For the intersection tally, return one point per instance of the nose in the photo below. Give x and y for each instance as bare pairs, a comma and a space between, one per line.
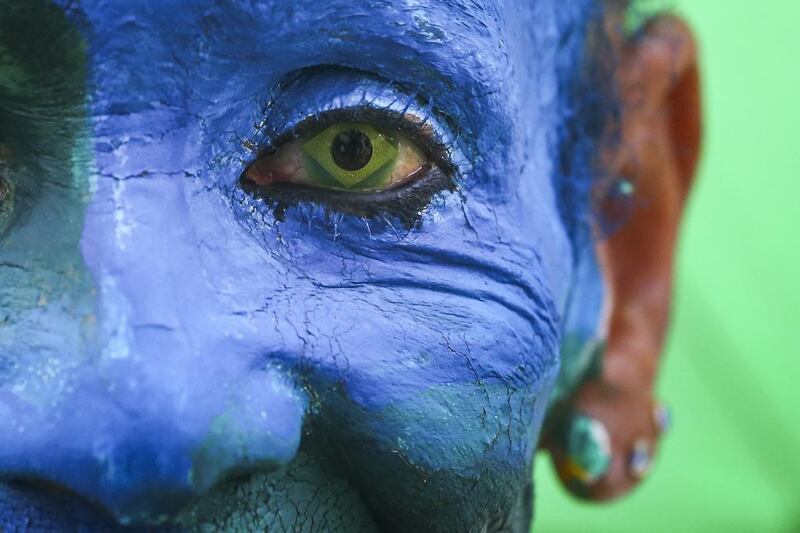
170, 389
174, 390
147, 461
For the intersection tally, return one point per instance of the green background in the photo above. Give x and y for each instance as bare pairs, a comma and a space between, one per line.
732, 460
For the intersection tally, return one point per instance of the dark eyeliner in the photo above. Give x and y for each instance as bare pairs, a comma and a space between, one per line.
382, 120
406, 201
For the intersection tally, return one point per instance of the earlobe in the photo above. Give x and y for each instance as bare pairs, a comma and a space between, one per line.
612, 422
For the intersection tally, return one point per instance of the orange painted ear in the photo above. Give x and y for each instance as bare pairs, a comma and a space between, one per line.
606, 441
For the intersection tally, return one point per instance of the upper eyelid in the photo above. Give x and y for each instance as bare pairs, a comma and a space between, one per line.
319, 96
412, 127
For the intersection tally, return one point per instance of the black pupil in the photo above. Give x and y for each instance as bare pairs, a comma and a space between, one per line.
351, 150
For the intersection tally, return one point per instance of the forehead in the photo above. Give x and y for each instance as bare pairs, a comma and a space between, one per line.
477, 33
476, 60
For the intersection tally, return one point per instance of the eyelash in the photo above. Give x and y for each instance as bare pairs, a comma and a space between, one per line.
406, 202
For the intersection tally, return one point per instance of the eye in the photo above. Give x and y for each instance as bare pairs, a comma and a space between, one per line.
346, 156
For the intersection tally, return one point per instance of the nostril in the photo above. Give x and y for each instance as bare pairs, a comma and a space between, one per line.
259, 432
213, 466
148, 477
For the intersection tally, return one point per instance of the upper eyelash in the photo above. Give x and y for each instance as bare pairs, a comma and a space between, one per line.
430, 144
309, 99
407, 201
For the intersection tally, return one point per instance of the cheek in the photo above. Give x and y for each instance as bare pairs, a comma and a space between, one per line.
462, 337
427, 393
46, 300
428, 373
425, 349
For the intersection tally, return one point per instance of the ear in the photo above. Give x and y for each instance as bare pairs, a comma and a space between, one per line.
612, 431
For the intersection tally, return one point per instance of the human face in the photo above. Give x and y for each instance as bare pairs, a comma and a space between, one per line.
174, 347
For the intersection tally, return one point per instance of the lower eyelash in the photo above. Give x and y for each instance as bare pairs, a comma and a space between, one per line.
405, 203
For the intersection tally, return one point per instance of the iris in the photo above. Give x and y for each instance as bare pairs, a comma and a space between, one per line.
351, 155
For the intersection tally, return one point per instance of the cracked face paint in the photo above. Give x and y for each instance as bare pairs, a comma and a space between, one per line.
175, 349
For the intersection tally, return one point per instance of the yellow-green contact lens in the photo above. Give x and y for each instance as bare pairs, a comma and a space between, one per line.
350, 156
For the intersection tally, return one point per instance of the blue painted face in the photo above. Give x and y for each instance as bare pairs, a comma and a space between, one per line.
174, 342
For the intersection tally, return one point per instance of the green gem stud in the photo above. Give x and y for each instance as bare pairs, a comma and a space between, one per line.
588, 448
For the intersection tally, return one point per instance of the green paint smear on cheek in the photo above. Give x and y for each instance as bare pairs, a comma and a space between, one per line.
46, 291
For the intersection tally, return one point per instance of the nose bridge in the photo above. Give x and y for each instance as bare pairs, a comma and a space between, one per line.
170, 401
154, 340
137, 243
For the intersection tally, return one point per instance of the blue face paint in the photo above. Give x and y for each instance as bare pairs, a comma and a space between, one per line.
168, 333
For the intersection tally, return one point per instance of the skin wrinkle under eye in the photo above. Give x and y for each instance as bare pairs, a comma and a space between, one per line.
397, 399
531, 288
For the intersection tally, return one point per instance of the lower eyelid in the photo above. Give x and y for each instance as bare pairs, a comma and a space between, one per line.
405, 202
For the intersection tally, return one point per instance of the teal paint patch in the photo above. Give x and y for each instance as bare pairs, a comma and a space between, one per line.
47, 297
581, 359
447, 442
46, 292
306, 496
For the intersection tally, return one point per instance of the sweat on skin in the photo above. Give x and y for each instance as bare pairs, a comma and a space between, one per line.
175, 352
